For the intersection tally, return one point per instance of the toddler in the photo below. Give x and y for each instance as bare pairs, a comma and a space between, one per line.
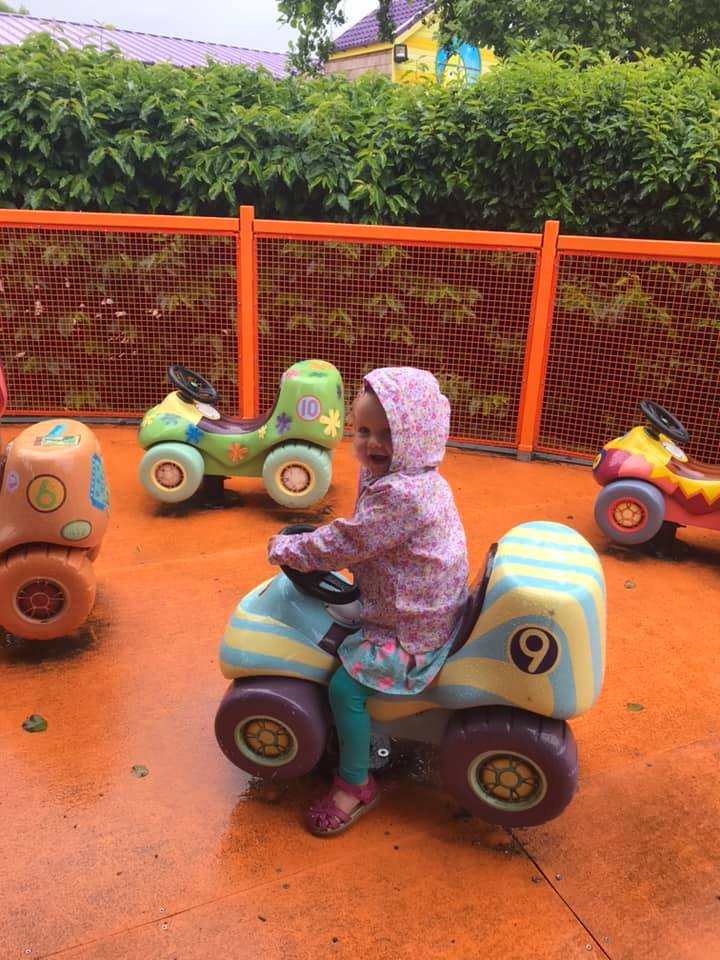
406, 547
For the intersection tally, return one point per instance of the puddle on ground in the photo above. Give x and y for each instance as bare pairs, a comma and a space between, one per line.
16, 651
409, 761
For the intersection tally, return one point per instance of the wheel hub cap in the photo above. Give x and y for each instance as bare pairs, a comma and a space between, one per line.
295, 478
507, 781
40, 600
628, 514
266, 741
168, 475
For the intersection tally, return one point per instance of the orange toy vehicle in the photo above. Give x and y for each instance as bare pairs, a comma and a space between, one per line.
53, 516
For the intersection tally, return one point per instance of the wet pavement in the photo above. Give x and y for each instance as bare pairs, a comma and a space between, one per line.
125, 833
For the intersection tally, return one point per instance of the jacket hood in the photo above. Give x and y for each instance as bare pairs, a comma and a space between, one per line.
418, 415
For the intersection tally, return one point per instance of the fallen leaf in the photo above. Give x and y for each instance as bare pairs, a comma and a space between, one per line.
629, 584
139, 770
35, 723
635, 707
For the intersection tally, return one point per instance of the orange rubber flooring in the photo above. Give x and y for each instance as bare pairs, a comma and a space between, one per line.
193, 861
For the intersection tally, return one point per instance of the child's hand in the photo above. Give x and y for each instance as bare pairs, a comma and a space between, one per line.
271, 544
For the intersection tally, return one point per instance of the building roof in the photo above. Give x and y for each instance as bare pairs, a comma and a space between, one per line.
147, 47
403, 14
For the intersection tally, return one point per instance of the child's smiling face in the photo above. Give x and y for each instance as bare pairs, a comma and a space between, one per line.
372, 440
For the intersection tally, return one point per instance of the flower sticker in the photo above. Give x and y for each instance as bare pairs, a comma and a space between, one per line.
262, 431
290, 374
332, 422
320, 364
170, 419
193, 434
282, 424
237, 452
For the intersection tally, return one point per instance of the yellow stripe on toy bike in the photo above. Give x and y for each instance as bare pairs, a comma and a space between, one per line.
560, 557
502, 680
547, 532
690, 486
243, 614
522, 572
398, 708
251, 642
586, 647
537, 602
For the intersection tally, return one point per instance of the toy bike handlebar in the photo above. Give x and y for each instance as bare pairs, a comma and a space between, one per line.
320, 584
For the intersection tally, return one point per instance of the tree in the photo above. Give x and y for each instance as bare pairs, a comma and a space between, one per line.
6, 8
618, 26
314, 19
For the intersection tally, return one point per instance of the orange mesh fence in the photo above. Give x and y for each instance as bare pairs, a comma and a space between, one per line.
93, 308
91, 318
461, 312
628, 328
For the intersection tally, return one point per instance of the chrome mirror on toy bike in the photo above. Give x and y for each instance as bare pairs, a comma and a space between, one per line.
320, 584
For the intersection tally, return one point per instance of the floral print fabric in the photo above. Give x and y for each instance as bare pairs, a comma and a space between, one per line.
404, 543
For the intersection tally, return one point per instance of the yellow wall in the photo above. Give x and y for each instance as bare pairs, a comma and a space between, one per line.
422, 63
362, 60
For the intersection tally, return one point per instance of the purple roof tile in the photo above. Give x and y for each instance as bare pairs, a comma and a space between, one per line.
146, 47
403, 13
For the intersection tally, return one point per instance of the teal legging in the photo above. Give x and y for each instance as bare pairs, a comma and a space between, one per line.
348, 700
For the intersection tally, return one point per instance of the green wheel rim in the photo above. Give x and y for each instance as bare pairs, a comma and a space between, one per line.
297, 474
266, 741
507, 780
172, 472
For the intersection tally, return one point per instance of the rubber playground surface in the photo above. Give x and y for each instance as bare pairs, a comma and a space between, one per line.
124, 832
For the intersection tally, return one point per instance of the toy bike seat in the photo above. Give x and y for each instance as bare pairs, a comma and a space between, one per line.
233, 426
467, 618
695, 470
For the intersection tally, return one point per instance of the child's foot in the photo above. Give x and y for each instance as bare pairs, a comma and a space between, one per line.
341, 807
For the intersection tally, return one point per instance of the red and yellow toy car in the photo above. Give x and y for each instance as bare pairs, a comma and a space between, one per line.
650, 485
53, 516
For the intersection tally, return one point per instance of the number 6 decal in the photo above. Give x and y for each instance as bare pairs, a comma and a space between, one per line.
46, 493
534, 650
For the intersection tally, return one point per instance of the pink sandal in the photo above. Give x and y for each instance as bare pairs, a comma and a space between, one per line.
326, 819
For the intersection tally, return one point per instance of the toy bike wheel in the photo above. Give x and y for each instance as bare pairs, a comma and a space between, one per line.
45, 592
273, 727
297, 474
172, 472
630, 511
509, 767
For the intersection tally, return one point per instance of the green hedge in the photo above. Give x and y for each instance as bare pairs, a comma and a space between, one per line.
609, 148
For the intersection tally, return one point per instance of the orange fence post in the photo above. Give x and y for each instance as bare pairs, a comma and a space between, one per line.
247, 314
531, 398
